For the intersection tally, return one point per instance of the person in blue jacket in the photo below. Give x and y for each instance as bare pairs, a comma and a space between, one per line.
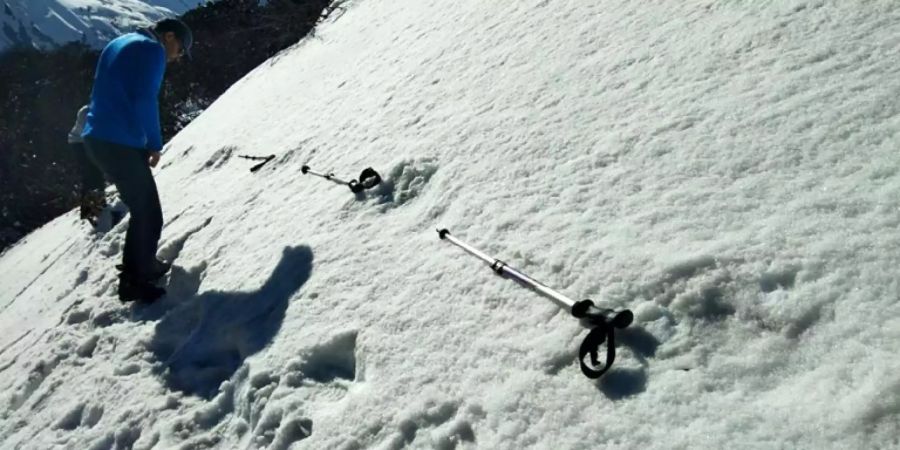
122, 136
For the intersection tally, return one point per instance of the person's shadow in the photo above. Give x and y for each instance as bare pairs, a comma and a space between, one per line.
202, 342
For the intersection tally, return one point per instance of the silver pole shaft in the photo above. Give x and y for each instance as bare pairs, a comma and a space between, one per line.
499, 266
327, 176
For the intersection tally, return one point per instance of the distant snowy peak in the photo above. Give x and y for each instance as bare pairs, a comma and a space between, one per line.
48, 23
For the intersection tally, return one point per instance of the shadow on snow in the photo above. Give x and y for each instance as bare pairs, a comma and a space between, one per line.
207, 337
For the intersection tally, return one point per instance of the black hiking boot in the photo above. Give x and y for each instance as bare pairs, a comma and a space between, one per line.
131, 290
160, 269
92, 205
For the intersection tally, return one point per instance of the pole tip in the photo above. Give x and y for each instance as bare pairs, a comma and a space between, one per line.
304, 169
443, 232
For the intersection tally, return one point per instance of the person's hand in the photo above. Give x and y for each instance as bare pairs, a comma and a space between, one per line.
154, 158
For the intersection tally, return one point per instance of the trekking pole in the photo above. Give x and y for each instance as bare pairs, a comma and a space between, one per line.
264, 160
603, 321
368, 178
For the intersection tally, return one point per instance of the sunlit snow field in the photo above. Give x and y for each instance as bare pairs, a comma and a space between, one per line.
728, 171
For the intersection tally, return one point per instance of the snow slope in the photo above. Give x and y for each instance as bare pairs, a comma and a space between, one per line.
728, 171
48, 23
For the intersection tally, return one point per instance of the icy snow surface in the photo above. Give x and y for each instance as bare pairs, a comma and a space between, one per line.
728, 171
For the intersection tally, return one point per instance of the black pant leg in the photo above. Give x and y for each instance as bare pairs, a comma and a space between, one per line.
129, 170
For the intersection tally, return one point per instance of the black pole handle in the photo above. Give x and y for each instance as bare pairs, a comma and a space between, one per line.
606, 321
264, 159
260, 165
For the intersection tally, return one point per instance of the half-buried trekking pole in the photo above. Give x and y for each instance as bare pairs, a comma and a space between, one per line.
368, 179
603, 321
264, 160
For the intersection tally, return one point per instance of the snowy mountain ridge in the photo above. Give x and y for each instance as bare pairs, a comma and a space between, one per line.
45, 24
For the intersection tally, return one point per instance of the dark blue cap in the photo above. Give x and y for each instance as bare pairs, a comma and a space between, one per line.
182, 33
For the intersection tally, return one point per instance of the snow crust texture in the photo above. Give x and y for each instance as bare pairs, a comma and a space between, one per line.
726, 170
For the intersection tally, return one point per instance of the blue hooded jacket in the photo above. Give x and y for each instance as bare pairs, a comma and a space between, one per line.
125, 100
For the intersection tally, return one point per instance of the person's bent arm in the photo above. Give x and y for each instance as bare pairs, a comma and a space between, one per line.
148, 76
